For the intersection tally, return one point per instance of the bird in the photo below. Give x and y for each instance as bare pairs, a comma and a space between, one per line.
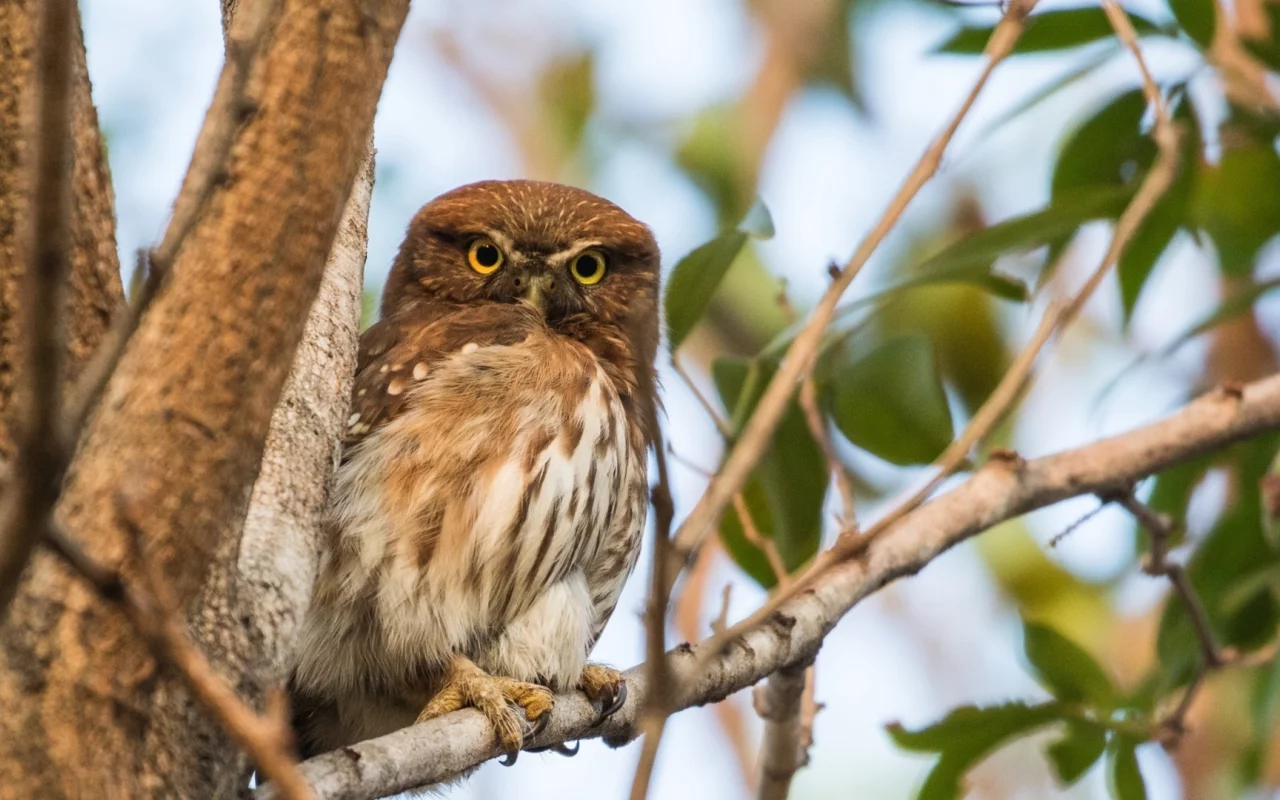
492, 490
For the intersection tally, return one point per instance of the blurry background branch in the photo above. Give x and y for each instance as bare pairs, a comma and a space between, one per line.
1002, 489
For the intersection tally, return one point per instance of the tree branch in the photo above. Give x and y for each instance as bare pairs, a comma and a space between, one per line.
1002, 489
779, 702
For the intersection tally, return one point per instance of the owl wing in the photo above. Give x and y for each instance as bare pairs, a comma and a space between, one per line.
395, 353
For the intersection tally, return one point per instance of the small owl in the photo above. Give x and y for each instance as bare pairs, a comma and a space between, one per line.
492, 491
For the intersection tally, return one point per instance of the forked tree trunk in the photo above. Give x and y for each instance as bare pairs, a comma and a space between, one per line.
177, 443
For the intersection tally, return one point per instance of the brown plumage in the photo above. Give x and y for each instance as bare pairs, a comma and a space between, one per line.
492, 492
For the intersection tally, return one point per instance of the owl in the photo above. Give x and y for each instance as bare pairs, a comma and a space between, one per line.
492, 491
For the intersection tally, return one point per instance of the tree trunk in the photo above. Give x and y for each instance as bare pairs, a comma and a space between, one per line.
94, 293
169, 461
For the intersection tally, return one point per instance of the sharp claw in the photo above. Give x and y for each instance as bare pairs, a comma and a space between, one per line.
537, 726
510, 758
617, 702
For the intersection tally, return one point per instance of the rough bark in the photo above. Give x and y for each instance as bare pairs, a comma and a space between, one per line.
1002, 489
175, 447
94, 292
248, 611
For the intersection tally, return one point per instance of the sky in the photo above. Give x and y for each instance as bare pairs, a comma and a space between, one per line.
827, 175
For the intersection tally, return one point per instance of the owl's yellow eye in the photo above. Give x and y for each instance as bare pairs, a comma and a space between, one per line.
588, 267
484, 256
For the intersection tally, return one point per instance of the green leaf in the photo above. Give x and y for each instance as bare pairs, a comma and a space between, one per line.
1109, 149
1196, 18
695, 279
1046, 31
891, 402
785, 491
1079, 749
974, 254
1126, 779
1065, 668
1238, 204
965, 736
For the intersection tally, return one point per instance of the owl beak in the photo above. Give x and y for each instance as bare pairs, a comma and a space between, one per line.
536, 293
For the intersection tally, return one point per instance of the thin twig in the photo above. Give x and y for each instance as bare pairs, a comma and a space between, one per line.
39, 461
764, 544
722, 425
688, 463
1160, 529
1074, 526
818, 429
267, 737
802, 353
662, 697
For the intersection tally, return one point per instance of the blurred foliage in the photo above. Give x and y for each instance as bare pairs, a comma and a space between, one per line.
898, 364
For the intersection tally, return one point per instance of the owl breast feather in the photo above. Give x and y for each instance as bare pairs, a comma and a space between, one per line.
497, 515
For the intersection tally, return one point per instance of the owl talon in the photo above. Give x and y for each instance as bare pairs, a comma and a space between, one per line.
501, 700
605, 688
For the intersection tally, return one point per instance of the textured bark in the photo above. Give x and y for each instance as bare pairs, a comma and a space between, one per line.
94, 293
1002, 489
249, 609
176, 445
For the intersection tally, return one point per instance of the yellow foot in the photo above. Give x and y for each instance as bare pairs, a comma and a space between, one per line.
605, 688
493, 696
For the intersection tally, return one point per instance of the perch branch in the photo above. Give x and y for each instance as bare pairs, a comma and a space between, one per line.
1000, 490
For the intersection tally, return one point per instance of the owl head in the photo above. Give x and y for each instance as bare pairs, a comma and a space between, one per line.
577, 258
